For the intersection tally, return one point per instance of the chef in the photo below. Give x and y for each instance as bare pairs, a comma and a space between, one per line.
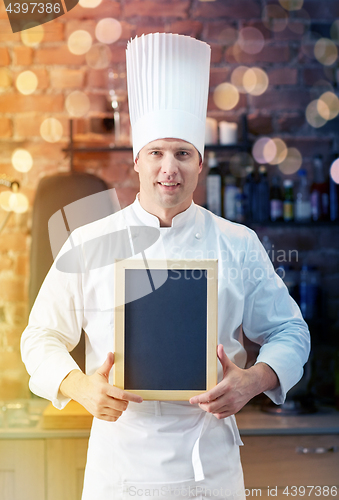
152, 449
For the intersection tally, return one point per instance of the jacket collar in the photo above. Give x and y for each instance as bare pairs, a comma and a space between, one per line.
153, 221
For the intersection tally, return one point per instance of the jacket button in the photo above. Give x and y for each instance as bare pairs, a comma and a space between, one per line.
198, 236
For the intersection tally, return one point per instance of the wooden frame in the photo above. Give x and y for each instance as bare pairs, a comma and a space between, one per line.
209, 268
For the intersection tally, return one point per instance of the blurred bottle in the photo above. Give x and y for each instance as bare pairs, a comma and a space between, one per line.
213, 185
240, 207
319, 191
309, 288
302, 204
334, 195
276, 200
261, 197
248, 188
288, 200
230, 193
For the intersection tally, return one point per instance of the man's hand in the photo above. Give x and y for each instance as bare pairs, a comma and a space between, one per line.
237, 387
93, 392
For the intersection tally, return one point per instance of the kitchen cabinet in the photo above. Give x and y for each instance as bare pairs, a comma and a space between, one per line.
22, 469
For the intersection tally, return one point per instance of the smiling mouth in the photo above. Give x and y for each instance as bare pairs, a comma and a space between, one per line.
169, 184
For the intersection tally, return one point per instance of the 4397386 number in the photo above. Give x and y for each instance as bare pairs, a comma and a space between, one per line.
306, 491
41, 8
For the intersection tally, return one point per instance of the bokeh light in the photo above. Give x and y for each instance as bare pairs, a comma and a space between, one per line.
251, 40
319, 88
300, 22
292, 162
255, 81
226, 96
335, 31
239, 162
334, 171
77, 103
51, 130
237, 78
312, 115
264, 150
228, 36
274, 17
27, 82
328, 106
32, 35
308, 43
18, 203
326, 51
89, 4
99, 56
4, 200
22, 160
281, 152
79, 42
291, 4
108, 30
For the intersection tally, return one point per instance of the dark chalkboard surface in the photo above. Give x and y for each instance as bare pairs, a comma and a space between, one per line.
166, 328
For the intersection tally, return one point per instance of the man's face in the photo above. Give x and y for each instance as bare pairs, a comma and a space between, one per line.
168, 171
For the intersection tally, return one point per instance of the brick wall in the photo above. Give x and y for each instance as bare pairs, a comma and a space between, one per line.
280, 111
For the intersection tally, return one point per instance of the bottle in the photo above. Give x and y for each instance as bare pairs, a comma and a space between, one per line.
309, 292
288, 200
230, 194
263, 196
239, 207
302, 204
276, 200
319, 191
213, 185
247, 190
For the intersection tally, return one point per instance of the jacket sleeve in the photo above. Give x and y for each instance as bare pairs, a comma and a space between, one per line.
273, 320
53, 330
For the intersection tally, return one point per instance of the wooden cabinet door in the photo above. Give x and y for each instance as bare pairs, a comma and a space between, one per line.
22, 469
66, 460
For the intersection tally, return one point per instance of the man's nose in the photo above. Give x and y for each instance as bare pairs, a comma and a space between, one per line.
169, 165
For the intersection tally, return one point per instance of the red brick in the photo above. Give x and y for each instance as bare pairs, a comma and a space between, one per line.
58, 55
219, 75
283, 76
288, 34
6, 263
313, 75
159, 8
107, 8
280, 99
54, 31
145, 29
291, 122
6, 34
269, 53
18, 103
96, 78
5, 78
76, 24
4, 56
41, 74
187, 27
217, 31
234, 9
115, 172
28, 124
310, 146
267, 33
22, 56
118, 53
6, 128
259, 124
67, 78
13, 242
216, 54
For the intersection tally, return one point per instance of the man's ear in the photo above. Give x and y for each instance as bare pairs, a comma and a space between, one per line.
135, 166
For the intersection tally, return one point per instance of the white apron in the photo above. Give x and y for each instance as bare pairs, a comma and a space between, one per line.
164, 450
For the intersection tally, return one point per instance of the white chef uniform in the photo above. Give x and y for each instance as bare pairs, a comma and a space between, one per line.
166, 449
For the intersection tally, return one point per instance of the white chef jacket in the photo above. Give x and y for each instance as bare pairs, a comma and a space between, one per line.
166, 448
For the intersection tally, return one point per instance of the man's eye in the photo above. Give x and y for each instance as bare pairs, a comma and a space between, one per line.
154, 153
183, 153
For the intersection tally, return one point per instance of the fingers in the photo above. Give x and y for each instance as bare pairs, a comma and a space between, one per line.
107, 366
117, 393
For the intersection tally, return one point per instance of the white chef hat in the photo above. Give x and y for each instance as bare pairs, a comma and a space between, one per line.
167, 79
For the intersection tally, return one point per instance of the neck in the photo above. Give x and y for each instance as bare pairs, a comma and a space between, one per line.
165, 215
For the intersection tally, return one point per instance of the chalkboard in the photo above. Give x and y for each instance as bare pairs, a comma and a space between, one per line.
165, 328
